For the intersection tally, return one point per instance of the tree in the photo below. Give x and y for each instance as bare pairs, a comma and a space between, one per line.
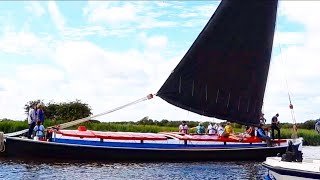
73, 110
50, 110
308, 124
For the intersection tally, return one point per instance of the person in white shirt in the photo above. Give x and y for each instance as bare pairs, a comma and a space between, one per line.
220, 130
31, 119
183, 128
215, 126
211, 129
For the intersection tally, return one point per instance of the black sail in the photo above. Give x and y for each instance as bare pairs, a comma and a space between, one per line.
224, 73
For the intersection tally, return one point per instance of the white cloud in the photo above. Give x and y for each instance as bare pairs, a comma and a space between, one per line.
303, 12
70, 33
154, 42
56, 15
39, 72
35, 8
113, 14
24, 43
289, 38
29, 82
144, 15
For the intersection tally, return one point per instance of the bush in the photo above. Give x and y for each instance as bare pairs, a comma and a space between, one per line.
307, 125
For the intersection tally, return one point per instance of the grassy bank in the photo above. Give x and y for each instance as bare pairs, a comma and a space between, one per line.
310, 136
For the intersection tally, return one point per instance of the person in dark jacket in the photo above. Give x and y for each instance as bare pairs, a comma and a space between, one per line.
275, 126
40, 113
261, 135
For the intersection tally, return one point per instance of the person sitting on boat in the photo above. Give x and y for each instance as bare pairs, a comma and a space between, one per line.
183, 128
39, 130
211, 129
228, 130
215, 126
249, 132
262, 119
200, 129
261, 135
275, 126
220, 130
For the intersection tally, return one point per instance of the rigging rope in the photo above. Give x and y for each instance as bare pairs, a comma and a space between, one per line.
79, 121
2, 145
294, 134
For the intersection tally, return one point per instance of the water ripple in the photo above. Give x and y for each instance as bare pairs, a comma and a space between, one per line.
18, 169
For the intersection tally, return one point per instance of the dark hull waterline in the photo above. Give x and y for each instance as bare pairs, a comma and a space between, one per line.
24, 148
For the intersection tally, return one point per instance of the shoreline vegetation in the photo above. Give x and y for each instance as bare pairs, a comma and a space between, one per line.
310, 136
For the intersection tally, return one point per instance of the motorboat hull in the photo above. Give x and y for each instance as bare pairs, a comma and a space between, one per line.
281, 170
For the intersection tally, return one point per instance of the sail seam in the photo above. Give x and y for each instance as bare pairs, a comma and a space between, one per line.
180, 85
192, 87
217, 96
228, 100
206, 92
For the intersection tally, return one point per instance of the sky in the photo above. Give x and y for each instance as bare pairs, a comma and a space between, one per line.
109, 53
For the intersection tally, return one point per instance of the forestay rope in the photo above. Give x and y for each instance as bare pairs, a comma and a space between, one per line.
82, 120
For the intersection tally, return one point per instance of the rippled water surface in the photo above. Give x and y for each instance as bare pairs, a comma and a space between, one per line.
18, 169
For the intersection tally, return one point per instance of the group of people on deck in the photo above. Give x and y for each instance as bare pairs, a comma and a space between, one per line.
227, 130
212, 129
36, 121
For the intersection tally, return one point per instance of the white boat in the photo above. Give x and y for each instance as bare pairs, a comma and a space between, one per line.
280, 168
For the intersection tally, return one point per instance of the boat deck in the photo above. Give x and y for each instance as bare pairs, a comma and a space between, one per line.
160, 138
112, 135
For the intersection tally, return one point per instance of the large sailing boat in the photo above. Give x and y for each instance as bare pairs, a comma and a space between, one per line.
222, 75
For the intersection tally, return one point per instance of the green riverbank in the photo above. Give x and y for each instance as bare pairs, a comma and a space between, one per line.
310, 137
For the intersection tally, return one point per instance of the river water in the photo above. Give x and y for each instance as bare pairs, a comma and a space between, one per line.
18, 169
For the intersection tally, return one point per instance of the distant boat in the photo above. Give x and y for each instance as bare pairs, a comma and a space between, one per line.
223, 75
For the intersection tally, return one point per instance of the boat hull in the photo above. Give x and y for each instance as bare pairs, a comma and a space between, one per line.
280, 173
24, 148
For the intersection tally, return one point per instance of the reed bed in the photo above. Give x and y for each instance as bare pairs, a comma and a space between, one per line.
311, 137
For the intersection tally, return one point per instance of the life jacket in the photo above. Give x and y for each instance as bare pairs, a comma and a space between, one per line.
39, 130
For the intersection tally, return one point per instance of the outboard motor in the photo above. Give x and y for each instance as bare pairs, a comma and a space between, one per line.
292, 154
